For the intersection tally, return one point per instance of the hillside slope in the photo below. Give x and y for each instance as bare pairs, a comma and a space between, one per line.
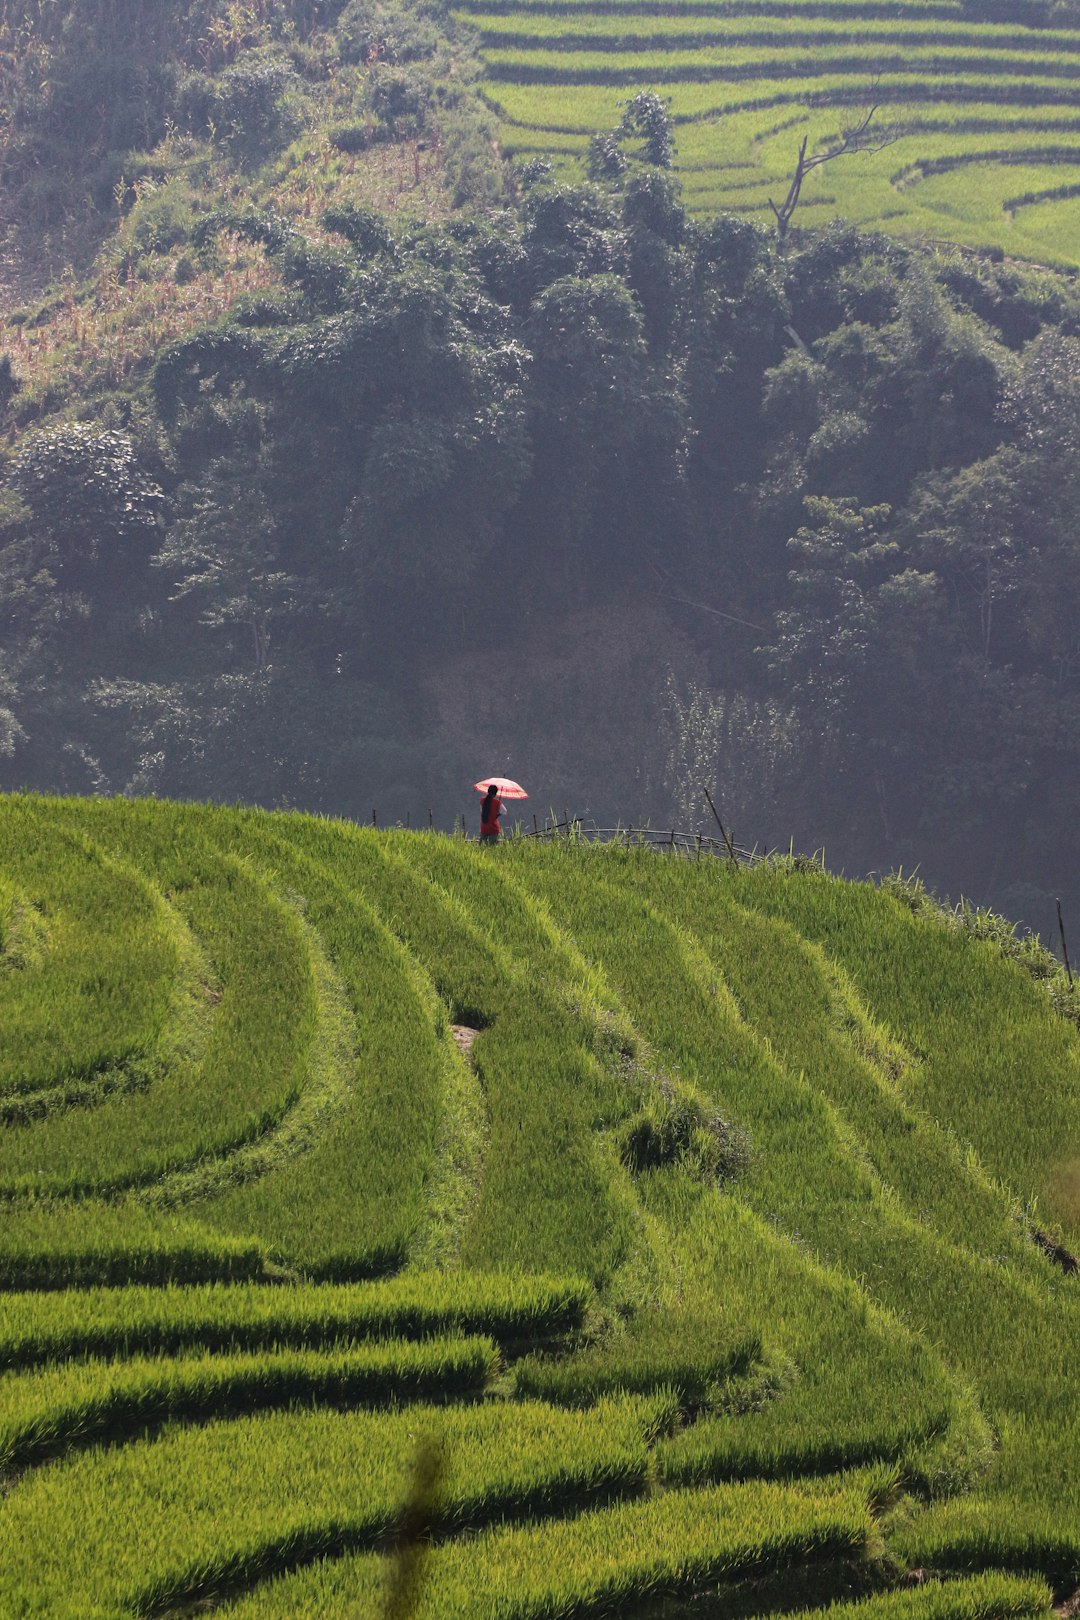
314, 405
975, 138
718, 1260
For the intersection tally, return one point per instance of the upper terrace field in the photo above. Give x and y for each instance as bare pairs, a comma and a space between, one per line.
982, 119
708, 1257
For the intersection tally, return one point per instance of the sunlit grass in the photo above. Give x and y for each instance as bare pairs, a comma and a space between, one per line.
562, 69
100, 1531
779, 1145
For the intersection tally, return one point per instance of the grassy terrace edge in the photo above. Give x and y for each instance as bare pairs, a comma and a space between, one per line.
734, 1149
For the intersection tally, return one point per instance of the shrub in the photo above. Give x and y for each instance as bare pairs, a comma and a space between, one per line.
86, 490
474, 168
677, 1127
351, 138
401, 99
364, 229
160, 219
251, 106
374, 30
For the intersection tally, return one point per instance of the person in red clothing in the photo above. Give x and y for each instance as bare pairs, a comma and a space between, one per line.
491, 808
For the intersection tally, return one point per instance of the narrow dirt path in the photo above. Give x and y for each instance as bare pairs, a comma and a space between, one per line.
464, 1038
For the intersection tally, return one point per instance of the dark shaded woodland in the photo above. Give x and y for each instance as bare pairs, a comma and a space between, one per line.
571, 485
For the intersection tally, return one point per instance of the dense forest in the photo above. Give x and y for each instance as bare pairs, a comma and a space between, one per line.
550, 478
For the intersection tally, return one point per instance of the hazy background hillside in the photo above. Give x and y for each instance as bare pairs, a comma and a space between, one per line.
344, 461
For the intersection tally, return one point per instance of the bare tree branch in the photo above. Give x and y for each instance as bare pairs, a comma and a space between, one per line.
851, 141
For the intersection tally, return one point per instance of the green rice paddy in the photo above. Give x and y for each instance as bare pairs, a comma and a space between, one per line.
707, 1229
977, 126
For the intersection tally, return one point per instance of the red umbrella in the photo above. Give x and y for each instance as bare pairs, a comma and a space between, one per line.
503, 787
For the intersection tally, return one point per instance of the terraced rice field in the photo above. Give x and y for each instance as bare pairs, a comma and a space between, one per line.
709, 1277
981, 118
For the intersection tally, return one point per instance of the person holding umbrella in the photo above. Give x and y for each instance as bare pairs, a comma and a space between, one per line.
495, 789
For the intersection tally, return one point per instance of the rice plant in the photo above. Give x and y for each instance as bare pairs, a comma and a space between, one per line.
749, 1177
559, 66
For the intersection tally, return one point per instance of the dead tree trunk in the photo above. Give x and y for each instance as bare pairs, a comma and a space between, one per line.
851, 141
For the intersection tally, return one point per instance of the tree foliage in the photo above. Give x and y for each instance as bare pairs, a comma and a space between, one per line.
840, 487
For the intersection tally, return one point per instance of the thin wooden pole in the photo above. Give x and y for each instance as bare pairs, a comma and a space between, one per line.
720, 824
430, 820
413, 1536
374, 819
1064, 947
